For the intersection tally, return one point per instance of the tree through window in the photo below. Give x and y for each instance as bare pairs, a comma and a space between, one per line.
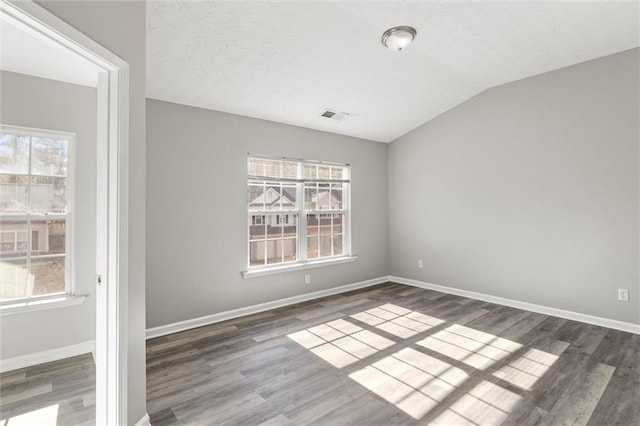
34, 212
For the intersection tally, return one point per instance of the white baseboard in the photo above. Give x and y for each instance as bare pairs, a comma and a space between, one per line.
254, 309
29, 360
575, 316
144, 421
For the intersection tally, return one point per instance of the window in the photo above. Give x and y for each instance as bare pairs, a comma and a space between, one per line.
35, 213
257, 220
298, 211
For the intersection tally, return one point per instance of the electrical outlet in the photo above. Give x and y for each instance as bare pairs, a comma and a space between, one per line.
623, 294
420, 264
307, 279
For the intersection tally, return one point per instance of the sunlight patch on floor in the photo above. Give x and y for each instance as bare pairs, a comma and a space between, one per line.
396, 320
485, 404
47, 416
412, 381
475, 348
340, 342
525, 371
415, 381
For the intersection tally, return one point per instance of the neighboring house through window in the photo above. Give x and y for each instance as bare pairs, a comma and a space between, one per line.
35, 213
298, 211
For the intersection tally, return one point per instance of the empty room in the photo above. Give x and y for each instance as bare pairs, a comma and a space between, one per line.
327, 213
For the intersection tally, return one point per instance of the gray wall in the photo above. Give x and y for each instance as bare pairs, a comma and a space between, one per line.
197, 223
120, 27
46, 104
528, 191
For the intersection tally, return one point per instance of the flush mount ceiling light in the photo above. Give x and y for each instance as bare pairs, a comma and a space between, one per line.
397, 38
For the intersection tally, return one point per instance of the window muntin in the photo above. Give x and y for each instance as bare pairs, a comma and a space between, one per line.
298, 211
35, 213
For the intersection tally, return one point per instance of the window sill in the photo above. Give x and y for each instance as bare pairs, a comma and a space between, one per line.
41, 304
253, 273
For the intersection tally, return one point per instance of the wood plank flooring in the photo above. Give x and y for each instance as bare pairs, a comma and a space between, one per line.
393, 354
60, 392
385, 355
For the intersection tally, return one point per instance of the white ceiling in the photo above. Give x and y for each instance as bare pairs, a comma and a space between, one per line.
288, 61
24, 52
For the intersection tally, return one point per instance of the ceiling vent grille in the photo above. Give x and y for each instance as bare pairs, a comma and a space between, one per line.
334, 115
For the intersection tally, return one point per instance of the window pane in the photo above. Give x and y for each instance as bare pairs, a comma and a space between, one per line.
274, 251
256, 253
33, 181
289, 170
336, 196
310, 171
337, 244
337, 224
272, 196
14, 194
312, 247
14, 154
325, 237
324, 196
13, 279
48, 194
290, 226
51, 236
272, 168
312, 224
311, 197
337, 173
13, 238
324, 226
48, 275
289, 247
49, 156
274, 231
324, 172
288, 199
257, 229
256, 196
325, 245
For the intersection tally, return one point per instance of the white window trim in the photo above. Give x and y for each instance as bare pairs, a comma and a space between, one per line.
21, 306
300, 212
296, 266
69, 276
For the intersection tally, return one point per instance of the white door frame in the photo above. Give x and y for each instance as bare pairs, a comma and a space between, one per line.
112, 200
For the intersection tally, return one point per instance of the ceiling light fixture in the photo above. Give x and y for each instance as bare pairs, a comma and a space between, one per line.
397, 38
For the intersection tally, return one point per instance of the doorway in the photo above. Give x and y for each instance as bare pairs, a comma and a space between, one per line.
109, 75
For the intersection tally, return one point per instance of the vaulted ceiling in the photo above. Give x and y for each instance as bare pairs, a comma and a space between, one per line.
289, 61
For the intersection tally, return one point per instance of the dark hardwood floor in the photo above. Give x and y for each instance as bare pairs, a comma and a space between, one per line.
393, 354
386, 355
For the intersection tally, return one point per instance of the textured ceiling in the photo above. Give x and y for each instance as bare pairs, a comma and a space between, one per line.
23, 52
288, 61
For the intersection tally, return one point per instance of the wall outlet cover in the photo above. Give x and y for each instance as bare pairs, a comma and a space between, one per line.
623, 294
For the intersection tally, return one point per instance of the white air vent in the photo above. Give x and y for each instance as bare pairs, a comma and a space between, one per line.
334, 115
